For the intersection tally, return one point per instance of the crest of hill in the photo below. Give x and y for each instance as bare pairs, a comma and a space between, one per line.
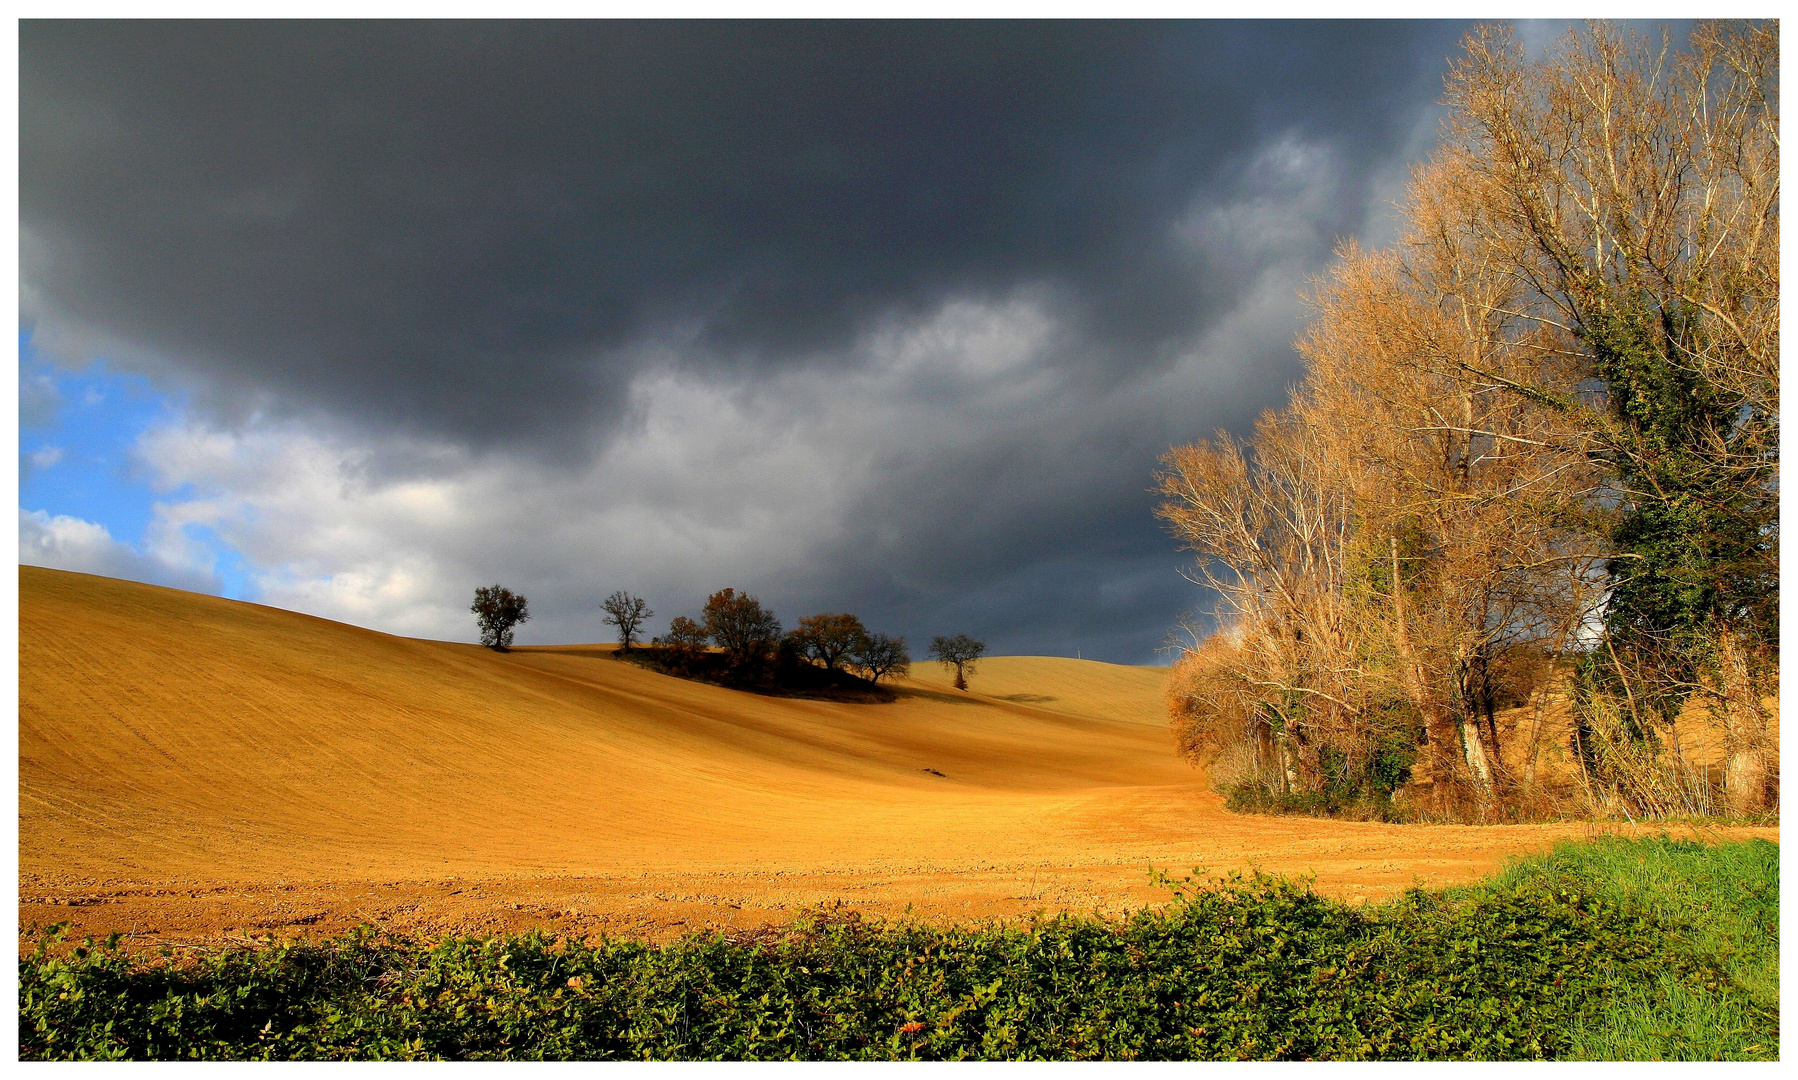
165, 734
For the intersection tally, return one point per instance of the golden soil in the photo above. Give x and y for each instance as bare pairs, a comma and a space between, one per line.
191, 767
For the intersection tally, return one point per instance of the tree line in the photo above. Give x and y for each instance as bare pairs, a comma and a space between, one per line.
748, 637
1532, 462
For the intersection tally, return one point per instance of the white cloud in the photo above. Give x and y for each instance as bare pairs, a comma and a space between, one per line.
37, 461
69, 543
44, 456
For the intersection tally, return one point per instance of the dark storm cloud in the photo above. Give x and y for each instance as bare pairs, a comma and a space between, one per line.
483, 233
464, 225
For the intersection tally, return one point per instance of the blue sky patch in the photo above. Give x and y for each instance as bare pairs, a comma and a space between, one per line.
78, 433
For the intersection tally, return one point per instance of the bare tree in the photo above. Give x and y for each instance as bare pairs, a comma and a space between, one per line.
1273, 543
497, 611
958, 653
1561, 384
881, 656
1462, 494
1631, 193
628, 613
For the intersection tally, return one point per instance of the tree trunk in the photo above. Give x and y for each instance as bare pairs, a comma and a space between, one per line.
1310, 765
1289, 773
1439, 725
1745, 772
1479, 762
1484, 757
1539, 702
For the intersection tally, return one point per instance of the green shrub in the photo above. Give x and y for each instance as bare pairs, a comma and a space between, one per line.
1354, 788
1530, 965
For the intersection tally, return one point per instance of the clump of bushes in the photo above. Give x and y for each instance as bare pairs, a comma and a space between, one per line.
1556, 958
1348, 805
828, 655
1354, 788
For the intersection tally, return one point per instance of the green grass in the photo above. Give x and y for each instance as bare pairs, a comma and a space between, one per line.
1607, 949
1716, 900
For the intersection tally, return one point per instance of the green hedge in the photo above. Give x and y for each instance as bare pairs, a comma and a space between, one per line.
1523, 967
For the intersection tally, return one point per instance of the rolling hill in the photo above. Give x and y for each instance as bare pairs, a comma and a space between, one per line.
202, 763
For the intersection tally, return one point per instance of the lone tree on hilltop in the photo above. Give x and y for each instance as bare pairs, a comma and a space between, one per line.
627, 613
497, 610
958, 652
829, 639
880, 655
737, 623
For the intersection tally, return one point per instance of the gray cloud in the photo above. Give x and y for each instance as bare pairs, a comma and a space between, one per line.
456, 243
39, 400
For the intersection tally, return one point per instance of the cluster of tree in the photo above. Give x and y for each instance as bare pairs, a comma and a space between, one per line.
748, 636
751, 645
1534, 454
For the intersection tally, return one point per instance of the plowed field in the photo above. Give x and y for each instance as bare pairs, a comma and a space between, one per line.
191, 767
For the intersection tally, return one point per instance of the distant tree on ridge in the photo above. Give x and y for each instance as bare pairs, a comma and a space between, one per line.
830, 639
958, 652
497, 611
628, 613
738, 624
685, 641
880, 656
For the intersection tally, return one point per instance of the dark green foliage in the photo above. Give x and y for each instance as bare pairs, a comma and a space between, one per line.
1695, 517
1359, 790
1260, 969
1331, 801
1391, 764
498, 611
1691, 512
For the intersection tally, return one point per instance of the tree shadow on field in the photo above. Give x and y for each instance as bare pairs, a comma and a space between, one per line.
946, 697
588, 652
1029, 699
802, 679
